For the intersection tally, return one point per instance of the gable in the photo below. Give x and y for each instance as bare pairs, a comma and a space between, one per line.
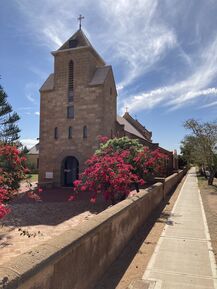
128, 127
34, 150
138, 126
79, 41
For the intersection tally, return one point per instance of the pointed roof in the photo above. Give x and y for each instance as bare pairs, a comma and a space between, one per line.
128, 127
77, 41
146, 133
48, 84
34, 150
100, 75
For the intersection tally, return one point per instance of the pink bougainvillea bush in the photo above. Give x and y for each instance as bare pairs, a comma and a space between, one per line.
109, 175
12, 171
149, 162
116, 167
143, 160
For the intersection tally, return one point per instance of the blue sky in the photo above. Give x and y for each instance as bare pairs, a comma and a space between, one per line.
163, 54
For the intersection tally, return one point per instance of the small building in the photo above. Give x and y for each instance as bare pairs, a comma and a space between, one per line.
33, 158
78, 103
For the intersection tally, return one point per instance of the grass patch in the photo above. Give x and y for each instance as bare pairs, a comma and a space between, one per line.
201, 179
203, 183
33, 178
209, 197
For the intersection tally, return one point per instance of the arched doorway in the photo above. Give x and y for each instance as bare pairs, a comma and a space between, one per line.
70, 171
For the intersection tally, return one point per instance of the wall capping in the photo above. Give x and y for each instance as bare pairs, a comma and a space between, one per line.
87, 249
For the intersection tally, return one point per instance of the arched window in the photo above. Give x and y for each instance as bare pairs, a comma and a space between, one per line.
85, 131
71, 81
70, 132
56, 133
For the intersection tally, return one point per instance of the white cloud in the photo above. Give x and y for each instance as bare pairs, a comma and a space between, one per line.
138, 39
53, 24
212, 104
31, 89
182, 92
29, 142
42, 75
37, 113
30, 97
135, 36
24, 108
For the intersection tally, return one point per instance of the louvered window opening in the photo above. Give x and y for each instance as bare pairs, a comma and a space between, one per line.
71, 81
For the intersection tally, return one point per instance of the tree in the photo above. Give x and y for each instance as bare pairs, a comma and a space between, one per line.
9, 130
118, 144
202, 145
12, 171
191, 150
25, 150
117, 166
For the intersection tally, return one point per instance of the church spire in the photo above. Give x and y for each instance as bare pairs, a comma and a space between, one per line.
80, 18
79, 40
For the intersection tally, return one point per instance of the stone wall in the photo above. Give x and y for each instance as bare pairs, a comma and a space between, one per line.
171, 182
79, 257
33, 159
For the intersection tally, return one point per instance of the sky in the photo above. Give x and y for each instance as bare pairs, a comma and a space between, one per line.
163, 54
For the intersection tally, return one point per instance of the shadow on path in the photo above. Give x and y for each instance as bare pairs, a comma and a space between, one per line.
116, 271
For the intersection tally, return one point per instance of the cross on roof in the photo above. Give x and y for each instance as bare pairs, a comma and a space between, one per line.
126, 108
80, 18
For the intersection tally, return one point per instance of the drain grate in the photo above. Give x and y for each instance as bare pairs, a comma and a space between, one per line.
141, 284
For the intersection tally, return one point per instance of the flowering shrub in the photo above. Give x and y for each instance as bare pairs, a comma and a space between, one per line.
141, 158
147, 161
109, 146
12, 171
109, 175
3, 209
115, 167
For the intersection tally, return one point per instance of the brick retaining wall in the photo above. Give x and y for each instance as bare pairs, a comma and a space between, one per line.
79, 257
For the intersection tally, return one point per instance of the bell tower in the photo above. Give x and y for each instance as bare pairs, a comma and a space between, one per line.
77, 104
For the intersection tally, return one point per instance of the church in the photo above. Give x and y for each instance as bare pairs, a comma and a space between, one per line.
78, 103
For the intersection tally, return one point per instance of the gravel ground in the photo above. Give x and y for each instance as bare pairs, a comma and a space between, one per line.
209, 198
39, 221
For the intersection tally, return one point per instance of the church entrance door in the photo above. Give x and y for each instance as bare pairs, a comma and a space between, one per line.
70, 171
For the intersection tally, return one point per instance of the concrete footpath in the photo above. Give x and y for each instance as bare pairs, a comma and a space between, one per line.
183, 257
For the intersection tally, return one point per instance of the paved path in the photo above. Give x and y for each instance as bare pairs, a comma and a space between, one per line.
183, 258
24, 186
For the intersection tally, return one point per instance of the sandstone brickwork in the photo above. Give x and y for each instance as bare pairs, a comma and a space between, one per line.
94, 102
70, 126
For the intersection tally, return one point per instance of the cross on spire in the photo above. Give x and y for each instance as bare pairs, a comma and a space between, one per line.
80, 18
126, 108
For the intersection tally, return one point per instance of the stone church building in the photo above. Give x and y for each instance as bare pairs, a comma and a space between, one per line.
78, 103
